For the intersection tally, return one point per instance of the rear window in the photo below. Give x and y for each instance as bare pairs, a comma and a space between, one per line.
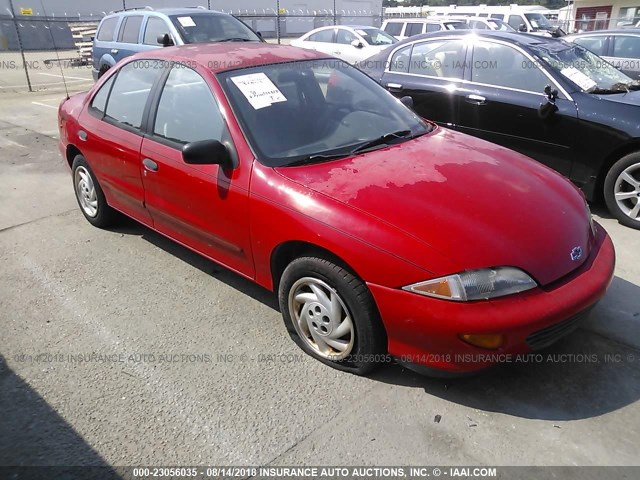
393, 28
107, 29
130, 30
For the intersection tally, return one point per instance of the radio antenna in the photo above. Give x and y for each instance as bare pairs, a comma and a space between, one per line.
53, 41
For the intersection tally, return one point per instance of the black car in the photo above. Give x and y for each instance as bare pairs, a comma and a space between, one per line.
552, 100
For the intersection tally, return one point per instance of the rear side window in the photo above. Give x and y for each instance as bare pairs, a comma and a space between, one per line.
595, 44
325, 36
627, 47
433, 27
187, 111
478, 25
130, 93
155, 27
107, 29
400, 60
413, 29
99, 102
439, 59
393, 28
499, 16
130, 29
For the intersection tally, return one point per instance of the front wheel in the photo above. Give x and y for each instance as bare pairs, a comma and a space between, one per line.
622, 190
331, 315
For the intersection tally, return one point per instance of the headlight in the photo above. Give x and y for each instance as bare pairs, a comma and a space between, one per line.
475, 284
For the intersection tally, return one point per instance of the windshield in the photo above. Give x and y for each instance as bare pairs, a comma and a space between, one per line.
538, 21
296, 111
375, 36
585, 69
211, 27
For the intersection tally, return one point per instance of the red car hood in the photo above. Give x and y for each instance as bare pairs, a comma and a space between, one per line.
478, 204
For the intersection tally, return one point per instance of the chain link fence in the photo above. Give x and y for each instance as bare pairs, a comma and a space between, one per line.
39, 47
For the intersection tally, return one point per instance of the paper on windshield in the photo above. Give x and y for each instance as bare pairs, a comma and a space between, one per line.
259, 90
186, 21
577, 77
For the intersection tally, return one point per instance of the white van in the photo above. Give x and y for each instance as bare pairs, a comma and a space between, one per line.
525, 18
402, 28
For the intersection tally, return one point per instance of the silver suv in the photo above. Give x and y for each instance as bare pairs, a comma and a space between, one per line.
130, 31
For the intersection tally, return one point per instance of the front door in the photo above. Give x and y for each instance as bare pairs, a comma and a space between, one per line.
205, 207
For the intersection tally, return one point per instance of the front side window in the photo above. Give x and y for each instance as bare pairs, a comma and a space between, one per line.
456, 26
439, 58
413, 29
212, 27
375, 36
324, 36
314, 110
400, 60
478, 25
130, 93
345, 37
107, 29
155, 27
626, 47
130, 30
393, 28
515, 21
187, 111
504, 66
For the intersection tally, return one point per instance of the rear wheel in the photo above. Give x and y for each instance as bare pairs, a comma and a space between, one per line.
89, 195
622, 190
331, 315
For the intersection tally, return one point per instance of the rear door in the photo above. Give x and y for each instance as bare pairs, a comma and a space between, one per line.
128, 41
205, 207
111, 136
431, 73
501, 102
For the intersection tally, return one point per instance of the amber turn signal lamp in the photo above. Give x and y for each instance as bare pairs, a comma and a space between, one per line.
491, 342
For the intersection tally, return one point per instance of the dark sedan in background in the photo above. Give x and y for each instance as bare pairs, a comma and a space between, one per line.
552, 100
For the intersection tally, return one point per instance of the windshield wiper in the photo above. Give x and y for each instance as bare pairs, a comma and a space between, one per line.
617, 88
235, 39
383, 140
317, 158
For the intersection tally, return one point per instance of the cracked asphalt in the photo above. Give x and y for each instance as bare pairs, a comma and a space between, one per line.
119, 347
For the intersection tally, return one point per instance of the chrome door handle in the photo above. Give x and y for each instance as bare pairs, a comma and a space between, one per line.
476, 99
114, 51
150, 165
394, 86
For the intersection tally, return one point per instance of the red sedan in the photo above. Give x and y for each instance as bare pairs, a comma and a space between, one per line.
383, 234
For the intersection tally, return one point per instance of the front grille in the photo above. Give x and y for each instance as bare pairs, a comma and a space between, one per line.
545, 337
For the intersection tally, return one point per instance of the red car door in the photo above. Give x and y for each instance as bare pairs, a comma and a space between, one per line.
205, 207
111, 136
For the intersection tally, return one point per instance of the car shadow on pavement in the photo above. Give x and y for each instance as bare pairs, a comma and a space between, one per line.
33, 434
582, 376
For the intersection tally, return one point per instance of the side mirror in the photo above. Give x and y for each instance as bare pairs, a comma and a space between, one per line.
165, 40
407, 101
207, 152
549, 107
522, 28
357, 44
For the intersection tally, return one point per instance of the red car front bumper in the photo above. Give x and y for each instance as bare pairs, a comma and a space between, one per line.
426, 331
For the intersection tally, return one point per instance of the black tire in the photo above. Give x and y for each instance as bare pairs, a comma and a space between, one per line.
613, 181
103, 70
104, 215
368, 348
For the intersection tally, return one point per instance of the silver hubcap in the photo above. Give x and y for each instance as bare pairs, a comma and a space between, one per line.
627, 191
86, 191
321, 318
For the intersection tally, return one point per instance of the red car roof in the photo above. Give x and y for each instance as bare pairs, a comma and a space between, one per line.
219, 57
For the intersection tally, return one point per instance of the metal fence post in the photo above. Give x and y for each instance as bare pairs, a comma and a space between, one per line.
334, 12
24, 61
278, 20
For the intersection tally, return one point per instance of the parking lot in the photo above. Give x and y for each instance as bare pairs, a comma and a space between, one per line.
119, 347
